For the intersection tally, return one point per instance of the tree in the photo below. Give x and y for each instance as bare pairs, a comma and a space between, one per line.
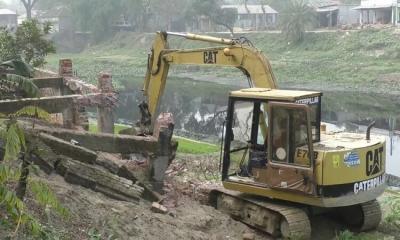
8, 50
296, 17
103, 13
221, 16
29, 43
29, 4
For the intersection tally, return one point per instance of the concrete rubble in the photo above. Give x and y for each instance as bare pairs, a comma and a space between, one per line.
123, 167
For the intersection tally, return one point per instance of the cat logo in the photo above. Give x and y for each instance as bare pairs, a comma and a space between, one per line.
210, 57
374, 161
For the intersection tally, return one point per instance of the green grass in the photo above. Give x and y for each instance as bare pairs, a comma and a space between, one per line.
195, 147
185, 145
373, 235
356, 59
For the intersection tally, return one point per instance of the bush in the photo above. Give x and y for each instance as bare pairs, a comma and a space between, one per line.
29, 43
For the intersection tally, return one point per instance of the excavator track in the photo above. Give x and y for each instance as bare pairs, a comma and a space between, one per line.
362, 217
276, 219
372, 215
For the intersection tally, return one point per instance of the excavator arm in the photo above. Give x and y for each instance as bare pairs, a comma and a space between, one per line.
232, 52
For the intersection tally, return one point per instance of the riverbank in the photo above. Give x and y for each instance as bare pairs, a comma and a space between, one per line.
365, 61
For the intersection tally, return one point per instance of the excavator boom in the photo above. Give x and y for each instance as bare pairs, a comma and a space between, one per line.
236, 53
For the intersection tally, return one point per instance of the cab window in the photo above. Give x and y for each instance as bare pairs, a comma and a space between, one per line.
289, 135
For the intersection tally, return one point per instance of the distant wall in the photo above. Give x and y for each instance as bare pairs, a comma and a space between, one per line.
9, 21
348, 16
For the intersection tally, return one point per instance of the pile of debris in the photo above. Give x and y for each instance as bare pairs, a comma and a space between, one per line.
96, 161
122, 167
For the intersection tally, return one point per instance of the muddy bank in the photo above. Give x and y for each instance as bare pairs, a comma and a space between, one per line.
94, 215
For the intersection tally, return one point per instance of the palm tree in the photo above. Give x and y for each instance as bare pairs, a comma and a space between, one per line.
15, 76
297, 16
15, 80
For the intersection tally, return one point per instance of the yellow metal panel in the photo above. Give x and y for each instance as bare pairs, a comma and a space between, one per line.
291, 196
338, 168
274, 94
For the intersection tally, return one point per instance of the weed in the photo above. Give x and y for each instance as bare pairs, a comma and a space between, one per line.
393, 201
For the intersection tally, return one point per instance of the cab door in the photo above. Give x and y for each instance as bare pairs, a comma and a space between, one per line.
290, 152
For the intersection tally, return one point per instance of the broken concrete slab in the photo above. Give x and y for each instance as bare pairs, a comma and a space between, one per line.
158, 208
62, 147
98, 179
49, 82
57, 104
105, 142
249, 236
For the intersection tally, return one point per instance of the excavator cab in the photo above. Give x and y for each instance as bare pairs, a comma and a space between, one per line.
269, 138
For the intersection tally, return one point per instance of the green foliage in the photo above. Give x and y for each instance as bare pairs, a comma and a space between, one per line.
16, 209
103, 13
18, 81
29, 43
346, 235
45, 196
8, 51
15, 144
297, 16
18, 66
15, 141
94, 234
13, 81
32, 44
32, 111
393, 201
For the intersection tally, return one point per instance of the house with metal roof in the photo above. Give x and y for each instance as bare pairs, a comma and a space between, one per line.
254, 17
8, 19
379, 12
333, 13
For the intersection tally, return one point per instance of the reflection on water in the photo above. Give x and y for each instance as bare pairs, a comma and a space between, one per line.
197, 108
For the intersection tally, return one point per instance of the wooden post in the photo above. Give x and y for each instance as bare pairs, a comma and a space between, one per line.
105, 114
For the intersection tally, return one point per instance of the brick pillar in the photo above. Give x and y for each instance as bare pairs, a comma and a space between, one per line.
65, 70
105, 114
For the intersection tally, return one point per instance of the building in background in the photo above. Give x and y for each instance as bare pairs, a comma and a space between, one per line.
8, 19
255, 17
379, 12
332, 13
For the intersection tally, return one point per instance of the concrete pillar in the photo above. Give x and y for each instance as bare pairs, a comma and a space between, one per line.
163, 131
361, 17
105, 114
392, 19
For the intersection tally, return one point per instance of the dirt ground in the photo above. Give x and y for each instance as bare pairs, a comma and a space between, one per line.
95, 216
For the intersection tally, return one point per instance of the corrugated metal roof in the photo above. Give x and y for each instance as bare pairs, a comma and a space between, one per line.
5, 11
327, 9
324, 3
252, 9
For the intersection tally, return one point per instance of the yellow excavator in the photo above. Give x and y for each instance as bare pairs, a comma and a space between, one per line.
279, 164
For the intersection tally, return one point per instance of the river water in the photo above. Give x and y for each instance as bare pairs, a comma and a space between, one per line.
198, 108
